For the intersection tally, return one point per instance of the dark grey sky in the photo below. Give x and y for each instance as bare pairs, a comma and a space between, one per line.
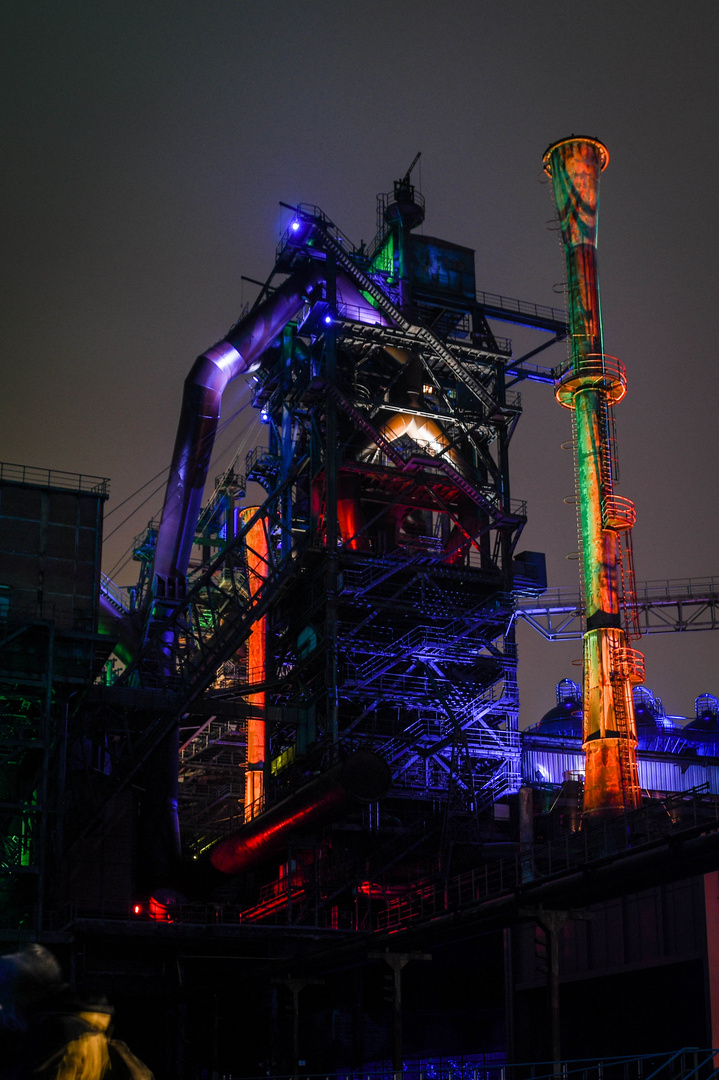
147, 145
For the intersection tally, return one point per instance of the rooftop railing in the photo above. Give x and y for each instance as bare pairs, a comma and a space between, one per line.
521, 307
567, 596
54, 478
688, 1063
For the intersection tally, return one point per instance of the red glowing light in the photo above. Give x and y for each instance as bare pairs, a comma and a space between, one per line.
159, 911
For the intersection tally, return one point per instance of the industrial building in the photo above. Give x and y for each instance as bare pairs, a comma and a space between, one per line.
280, 776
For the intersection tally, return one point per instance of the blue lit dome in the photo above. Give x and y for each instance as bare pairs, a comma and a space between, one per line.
648, 711
706, 715
566, 716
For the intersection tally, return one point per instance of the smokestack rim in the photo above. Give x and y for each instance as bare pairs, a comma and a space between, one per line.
603, 152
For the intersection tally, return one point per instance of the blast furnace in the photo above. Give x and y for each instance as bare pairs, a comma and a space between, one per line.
359, 620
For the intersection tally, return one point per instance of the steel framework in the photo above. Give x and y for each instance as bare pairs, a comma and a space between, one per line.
662, 607
387, 638
380, 568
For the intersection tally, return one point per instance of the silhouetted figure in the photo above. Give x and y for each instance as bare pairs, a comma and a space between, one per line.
52, 1032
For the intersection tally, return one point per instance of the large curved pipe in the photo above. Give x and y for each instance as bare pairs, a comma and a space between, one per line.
363, 777
238, 353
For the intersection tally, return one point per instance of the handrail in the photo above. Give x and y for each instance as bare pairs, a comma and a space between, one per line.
493, 1065
521, 307
54, 478
114, 593
671, 589
608, 837
370, 316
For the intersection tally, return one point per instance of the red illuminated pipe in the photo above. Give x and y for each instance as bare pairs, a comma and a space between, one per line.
363, 777
349, 513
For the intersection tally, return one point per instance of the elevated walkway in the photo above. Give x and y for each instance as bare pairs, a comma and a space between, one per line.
660, 841
524, 313
661, 606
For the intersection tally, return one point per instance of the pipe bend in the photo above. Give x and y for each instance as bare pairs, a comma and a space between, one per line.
214, 368
239, 352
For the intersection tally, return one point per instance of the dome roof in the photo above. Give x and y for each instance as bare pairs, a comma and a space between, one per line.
706, 722
706, 714
644, 716
564, 719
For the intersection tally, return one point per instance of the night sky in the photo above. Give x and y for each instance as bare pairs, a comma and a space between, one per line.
147, 146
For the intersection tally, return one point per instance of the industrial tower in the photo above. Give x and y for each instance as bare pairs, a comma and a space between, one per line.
314, 736
590, 385
359, 621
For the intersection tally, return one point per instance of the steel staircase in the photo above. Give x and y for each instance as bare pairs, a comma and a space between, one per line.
114, 595
418, 460
420, 333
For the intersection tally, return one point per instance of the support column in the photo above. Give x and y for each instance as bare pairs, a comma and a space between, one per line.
397, 962
331, 476
257, 555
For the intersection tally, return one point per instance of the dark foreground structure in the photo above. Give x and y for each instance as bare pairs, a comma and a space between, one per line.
272, 798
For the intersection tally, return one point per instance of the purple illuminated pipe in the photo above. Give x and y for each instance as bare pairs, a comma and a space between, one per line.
238, 353
363, 777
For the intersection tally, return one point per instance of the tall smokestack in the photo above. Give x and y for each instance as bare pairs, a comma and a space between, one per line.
590, 386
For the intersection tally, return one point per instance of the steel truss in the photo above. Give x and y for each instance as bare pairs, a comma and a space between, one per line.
375, 643
662, 607
390, 629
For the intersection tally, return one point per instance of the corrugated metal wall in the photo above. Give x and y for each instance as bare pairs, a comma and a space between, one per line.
544, 765
549, 766
676, 775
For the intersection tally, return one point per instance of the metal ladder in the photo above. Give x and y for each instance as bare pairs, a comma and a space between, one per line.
627, 766
629, 585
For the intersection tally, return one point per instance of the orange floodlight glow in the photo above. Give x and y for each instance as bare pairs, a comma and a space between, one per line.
257, 554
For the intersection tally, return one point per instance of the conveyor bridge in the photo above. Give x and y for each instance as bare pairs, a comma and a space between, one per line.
662, 607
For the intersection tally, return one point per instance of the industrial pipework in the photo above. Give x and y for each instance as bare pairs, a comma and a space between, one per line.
591, 384
240, 352
363, 777
256, 547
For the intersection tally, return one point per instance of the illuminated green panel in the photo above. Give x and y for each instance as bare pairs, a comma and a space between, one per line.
384, 260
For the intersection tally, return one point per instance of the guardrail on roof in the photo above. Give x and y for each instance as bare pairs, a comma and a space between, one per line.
54, 478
